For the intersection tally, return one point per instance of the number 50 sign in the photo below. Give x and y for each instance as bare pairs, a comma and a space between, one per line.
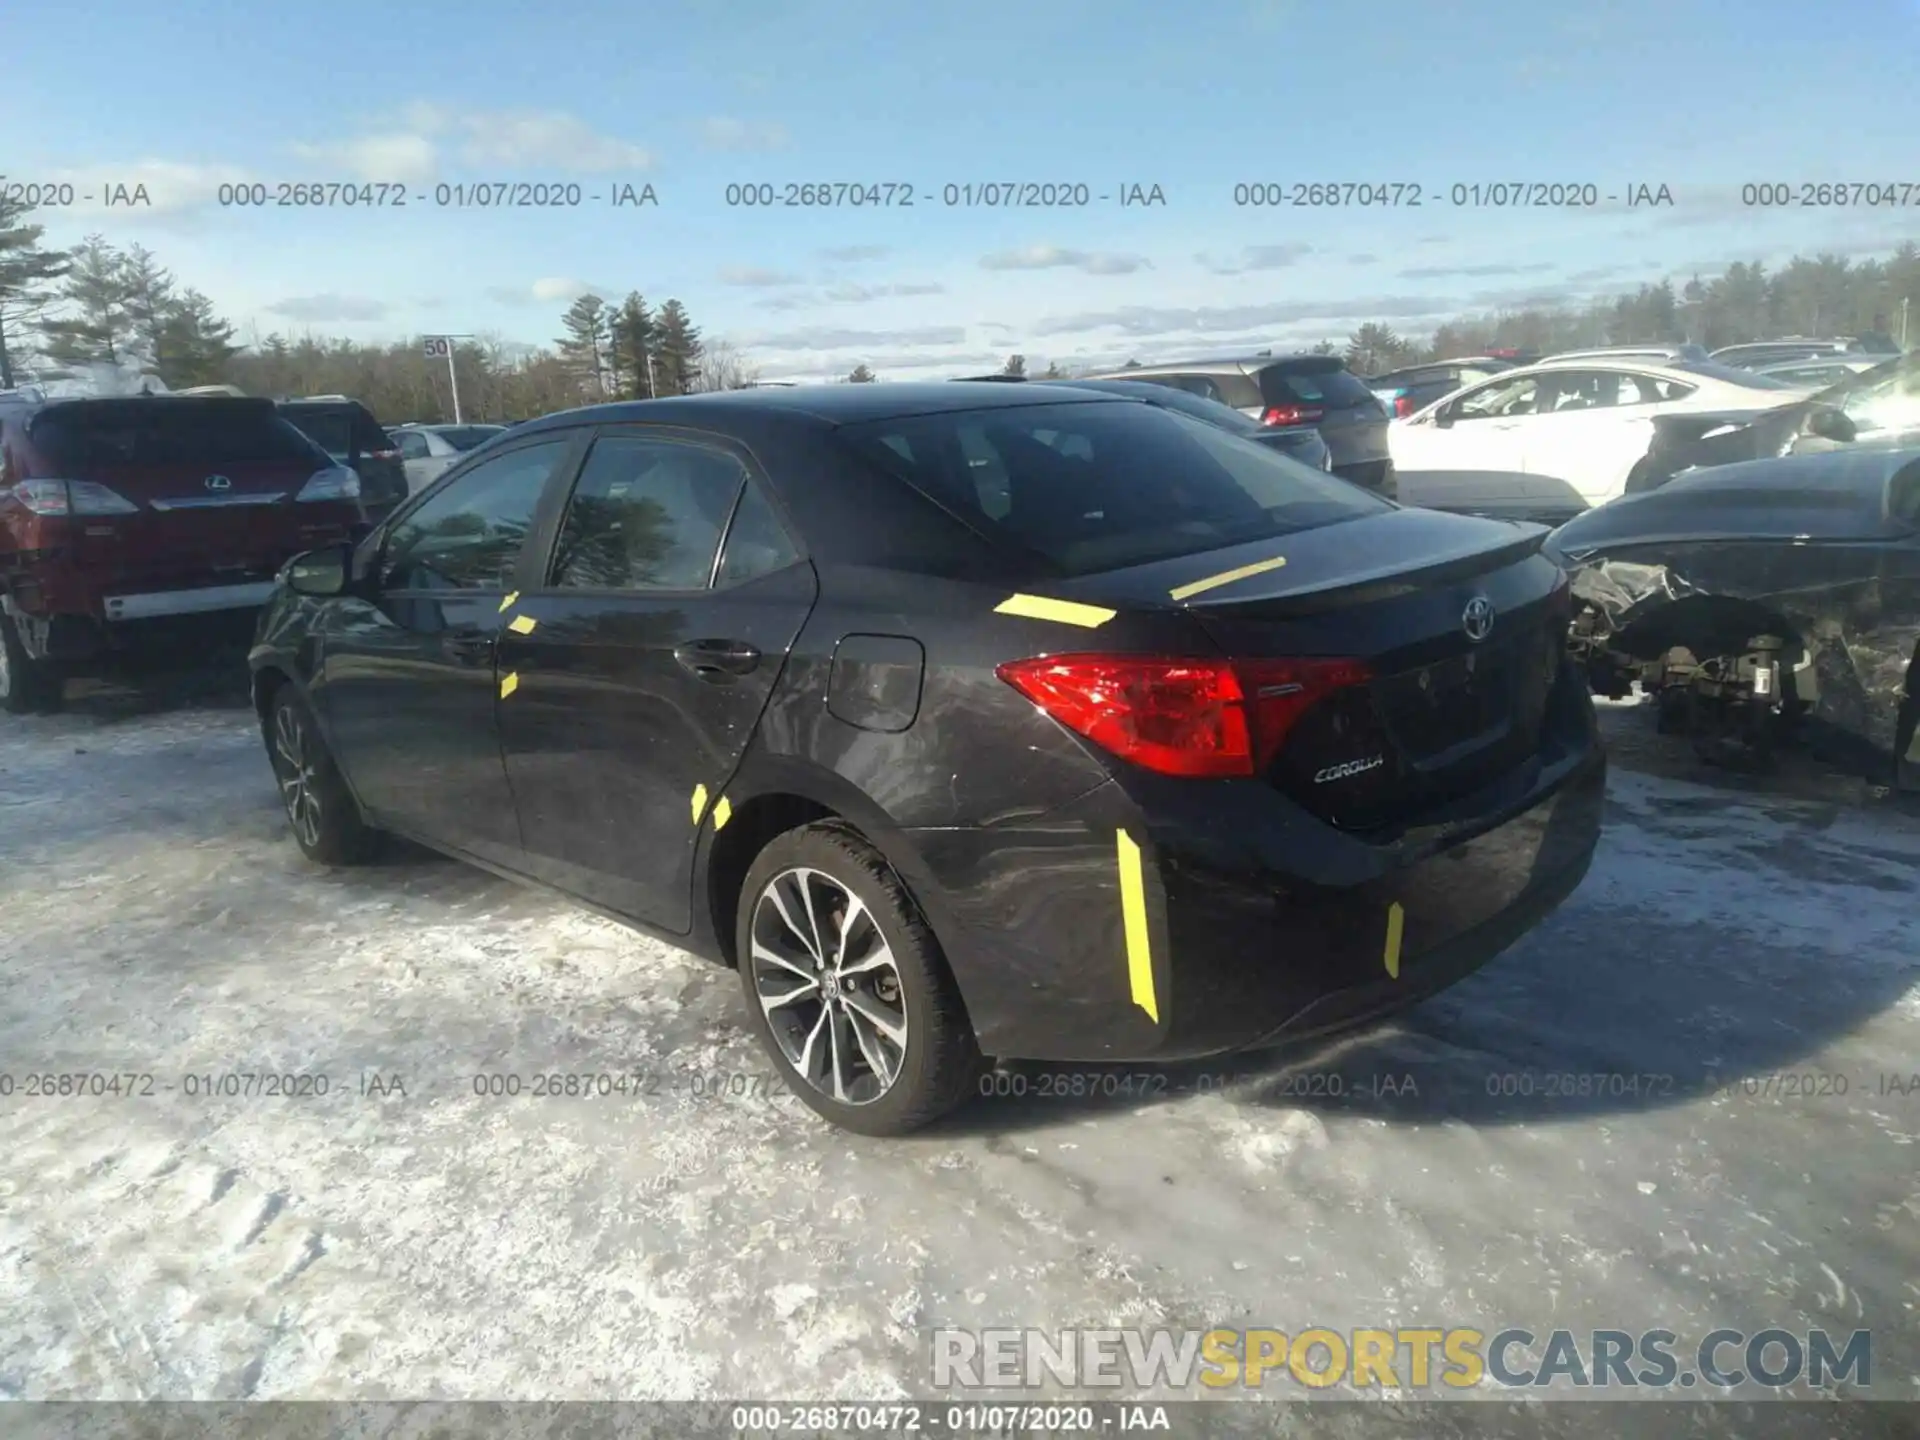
438, 347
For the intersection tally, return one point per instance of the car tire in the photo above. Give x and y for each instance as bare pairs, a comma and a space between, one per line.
27, 686
321, 811
836, 1045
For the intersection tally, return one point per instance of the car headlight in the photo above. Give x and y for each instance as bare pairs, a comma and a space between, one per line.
336, 482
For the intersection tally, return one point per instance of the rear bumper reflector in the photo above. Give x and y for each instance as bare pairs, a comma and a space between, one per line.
188, 602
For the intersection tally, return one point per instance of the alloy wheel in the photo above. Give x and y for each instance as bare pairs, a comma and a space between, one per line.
294, 766
829, 985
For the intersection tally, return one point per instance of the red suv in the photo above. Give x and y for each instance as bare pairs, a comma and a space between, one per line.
118, 516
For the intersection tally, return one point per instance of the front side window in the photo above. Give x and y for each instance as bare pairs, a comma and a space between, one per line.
1102, 485
647, 514
469, 535
1502, 398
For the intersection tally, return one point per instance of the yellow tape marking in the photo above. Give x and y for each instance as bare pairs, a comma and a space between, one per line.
522, 624
1133, 912
699, 802
1396, 926
507, 604
722, 813
1214, 582
509, 685
1067, 612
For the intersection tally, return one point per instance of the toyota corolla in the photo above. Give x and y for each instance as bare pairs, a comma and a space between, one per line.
963, 721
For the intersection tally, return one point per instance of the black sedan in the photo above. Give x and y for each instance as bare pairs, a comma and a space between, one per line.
962, 720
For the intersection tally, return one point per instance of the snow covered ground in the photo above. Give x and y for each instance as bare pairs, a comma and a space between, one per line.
403, 1236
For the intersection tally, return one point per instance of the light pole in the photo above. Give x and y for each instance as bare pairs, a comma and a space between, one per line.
442, 346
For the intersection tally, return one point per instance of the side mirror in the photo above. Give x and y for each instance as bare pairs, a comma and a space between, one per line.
1443, 418
1834, 425
320, 573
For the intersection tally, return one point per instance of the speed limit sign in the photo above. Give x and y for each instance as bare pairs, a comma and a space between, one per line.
438, 347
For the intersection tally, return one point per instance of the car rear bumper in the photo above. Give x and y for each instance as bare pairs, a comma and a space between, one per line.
1375, 475
200, 601
1254, 922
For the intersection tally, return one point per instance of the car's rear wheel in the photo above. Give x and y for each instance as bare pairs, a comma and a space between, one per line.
27, 686
321, 811
847, 987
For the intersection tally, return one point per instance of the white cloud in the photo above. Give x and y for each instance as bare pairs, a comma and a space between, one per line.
426, 137
853, 254
1052, 257
549, 291
829, 338
331, 309
863, 294
1257, 257
755, 278
722, 132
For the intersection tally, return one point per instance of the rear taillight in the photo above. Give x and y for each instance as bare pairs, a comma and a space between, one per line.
72, 497
383, 455
1292, 414
336, 482
1402, 407
1198, 718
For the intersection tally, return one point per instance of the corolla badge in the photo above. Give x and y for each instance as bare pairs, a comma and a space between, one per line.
218, 482
1477, 619
1350, 767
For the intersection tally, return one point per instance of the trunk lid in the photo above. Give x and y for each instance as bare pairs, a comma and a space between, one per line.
1451, 707
212, 480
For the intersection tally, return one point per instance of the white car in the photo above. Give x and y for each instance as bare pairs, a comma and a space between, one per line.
1584, 422
426, 450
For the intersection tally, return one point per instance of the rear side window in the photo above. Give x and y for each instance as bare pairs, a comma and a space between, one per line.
80, 436
646, 515
469, 437
1238, 391
1101, 486
757, 543
1329, 383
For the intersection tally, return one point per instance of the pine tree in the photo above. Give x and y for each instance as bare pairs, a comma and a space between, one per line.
99, 329
677, 351
1016, 365
27, 273
150, 306
1053, 371
633, 341
584, 346
198, 343
862, 375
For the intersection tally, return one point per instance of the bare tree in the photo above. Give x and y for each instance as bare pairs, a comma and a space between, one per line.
723, 367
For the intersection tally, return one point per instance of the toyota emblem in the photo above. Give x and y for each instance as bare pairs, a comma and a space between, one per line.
1477, 620
219, 482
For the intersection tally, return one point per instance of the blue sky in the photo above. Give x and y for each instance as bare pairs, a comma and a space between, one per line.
1699, 95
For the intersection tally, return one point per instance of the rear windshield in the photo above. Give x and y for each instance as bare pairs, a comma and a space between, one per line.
467, 437
1326, 382
340, 432
1100, 486
154, 432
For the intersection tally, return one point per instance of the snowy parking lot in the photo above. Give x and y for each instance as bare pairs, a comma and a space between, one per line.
1733, 997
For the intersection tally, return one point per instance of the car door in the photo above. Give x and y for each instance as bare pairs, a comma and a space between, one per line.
635, 666
414, 459
1593, 426
1479, 429
406, 683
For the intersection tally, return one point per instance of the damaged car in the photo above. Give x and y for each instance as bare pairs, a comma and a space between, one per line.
1763, 600
1877, 406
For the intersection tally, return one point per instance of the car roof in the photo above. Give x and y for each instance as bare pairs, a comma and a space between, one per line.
828, 404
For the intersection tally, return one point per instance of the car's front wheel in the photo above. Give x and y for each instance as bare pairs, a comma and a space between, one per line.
847, 987
321, 810
27, 686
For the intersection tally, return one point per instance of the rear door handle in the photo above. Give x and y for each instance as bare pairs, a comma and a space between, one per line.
471, 649
717, 660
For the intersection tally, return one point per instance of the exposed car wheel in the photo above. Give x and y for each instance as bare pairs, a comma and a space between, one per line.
847, 987
27, 686
322, 811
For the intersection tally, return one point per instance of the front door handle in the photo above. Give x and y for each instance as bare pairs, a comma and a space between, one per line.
717, 660
471, 649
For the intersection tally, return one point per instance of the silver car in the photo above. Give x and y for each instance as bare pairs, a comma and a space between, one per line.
426, 450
